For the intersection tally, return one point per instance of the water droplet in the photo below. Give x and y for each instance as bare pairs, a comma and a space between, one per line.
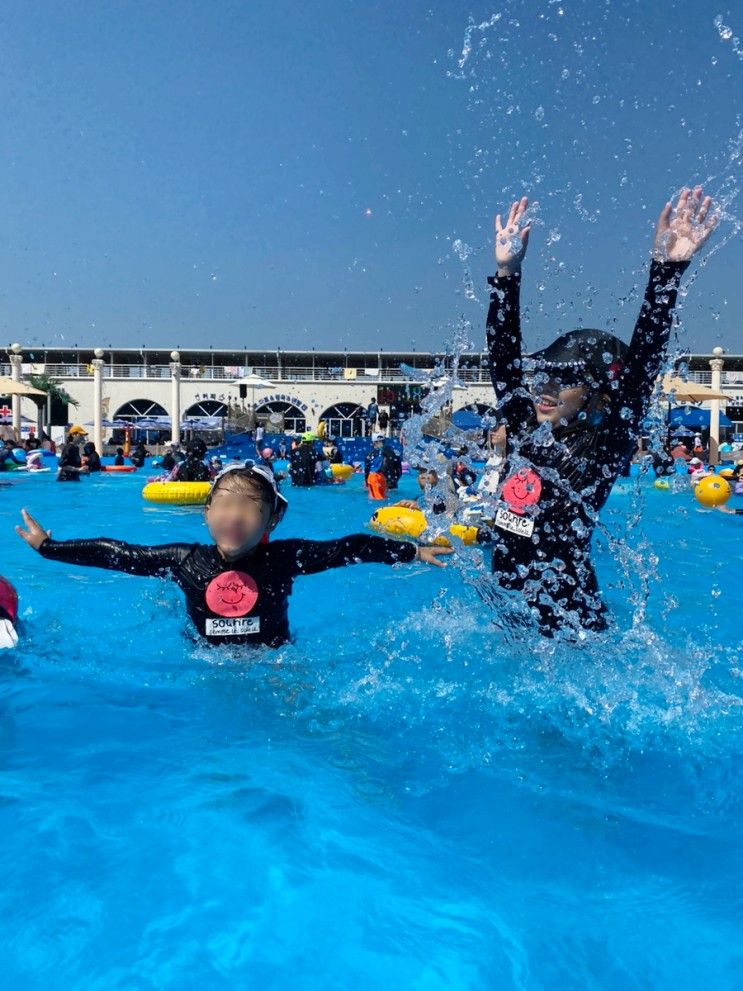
539, 113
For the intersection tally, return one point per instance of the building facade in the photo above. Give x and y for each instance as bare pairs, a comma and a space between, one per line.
300, 389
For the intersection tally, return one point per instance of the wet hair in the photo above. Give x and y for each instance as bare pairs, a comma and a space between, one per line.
196, 448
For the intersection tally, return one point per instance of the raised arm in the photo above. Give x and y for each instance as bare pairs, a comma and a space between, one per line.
503, 327
680, 233
113, 555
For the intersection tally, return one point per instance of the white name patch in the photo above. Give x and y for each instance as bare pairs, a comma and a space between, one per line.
232, 627
522, 525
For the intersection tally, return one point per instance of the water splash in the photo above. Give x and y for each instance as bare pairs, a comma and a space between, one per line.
470, 30
726, 34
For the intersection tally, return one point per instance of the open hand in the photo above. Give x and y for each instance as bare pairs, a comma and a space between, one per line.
407, 504
35, 535
682, 231
511, 240
429, 555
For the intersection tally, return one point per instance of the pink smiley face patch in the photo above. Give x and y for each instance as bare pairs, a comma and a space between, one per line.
522, 489
233, 593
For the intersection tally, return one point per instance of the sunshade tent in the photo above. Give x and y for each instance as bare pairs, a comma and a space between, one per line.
690, 392
9, 387
202, 423
110, 424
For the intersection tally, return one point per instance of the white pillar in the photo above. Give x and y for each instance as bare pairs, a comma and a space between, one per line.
16, 360
175, 397
98, 400
714, 414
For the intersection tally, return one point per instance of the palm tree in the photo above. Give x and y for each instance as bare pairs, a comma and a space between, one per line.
54, 394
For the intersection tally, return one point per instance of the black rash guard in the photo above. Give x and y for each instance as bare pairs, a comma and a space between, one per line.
555, 481
241, 601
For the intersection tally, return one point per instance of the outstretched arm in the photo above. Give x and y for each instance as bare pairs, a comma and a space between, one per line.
503, 328
312, 556
679, 234
114, 555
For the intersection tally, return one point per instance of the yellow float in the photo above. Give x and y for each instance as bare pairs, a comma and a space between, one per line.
398, 521
342, 471
662, 483
177, 493
712, 491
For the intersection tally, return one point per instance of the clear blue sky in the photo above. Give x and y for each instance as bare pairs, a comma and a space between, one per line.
268, 173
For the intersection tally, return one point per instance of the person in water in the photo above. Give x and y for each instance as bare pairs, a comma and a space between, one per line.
444, 496
90, 457
138, 455
193, 468
71, 466
383, 460
572, 428
237, 589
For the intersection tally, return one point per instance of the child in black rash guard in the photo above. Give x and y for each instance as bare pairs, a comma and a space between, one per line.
570, 436
237, 589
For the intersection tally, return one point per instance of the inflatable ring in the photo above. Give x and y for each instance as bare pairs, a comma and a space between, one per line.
177, 493
662, 483
342, 471
121, 469
398, 521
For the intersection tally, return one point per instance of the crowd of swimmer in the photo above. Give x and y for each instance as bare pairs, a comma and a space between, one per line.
568, 422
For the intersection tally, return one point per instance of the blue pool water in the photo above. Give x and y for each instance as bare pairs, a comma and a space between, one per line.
408, 797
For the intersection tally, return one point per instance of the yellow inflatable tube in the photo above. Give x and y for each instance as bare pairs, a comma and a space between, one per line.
177, 493
342, 471
397, 521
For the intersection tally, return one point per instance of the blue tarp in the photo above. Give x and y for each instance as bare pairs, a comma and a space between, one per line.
466, 419
694, 418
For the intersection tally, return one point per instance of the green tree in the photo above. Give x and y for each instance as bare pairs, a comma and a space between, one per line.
55, 394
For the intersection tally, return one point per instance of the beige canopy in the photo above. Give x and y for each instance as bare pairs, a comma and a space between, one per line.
690, 392
9, 387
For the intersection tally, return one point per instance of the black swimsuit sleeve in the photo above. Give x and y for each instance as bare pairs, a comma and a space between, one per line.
309, 557
649, 344
115, 555
503, 333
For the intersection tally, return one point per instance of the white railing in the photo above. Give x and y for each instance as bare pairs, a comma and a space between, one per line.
362, 376
726, 378
273, 373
